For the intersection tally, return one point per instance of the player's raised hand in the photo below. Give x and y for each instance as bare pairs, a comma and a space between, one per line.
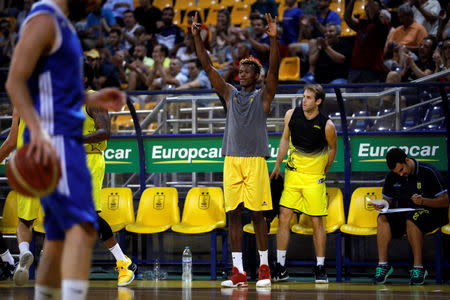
271, 28
195, 27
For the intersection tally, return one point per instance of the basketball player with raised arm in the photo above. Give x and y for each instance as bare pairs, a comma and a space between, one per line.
246, 148
45, 84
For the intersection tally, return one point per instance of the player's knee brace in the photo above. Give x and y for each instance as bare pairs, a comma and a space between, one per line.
104, 230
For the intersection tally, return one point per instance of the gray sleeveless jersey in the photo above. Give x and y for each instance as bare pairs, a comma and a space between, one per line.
245, 129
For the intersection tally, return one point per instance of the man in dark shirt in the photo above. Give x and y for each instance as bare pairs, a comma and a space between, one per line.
148, 16
410, 184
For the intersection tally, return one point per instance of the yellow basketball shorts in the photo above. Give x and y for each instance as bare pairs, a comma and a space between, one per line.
96, 165
305, 193
246, 179
27, 207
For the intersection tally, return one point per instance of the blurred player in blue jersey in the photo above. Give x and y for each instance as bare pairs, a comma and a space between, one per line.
45, 84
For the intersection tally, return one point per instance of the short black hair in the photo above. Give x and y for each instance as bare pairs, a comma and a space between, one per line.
394, 156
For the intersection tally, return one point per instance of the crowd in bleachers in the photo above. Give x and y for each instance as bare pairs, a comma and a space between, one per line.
147, 44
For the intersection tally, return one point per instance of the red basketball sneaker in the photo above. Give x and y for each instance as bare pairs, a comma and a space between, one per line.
236, 279
263, 276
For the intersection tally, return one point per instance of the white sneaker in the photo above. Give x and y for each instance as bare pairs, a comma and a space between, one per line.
21, 273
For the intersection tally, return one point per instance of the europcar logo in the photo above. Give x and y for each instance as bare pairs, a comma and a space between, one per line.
376, 153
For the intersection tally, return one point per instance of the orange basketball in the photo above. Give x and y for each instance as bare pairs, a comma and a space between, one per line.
30, 178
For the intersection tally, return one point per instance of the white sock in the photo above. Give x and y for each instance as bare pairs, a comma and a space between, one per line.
7, 257
263, 257
383, 263
281, 257
237, 261
320, 261
42, 292
24, 247
117, 252
73, 289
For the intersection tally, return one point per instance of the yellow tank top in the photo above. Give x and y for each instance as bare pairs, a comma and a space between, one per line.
20, 133
88, 127
306, 163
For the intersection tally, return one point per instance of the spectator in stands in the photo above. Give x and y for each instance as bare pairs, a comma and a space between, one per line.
410, 184
368, 51
329, 58
231, 73
119, 7
187, 52
443, 31
7, 42
170, 34
291, 24
130, 28
259, 41
98, 26
261, 7
171, 80
309, 7
442, 58
221, 38
426, 13
197, 78
148, 16
105, 75
204, 31
406, 37
23, 13
139, 69
114, 43
315, 24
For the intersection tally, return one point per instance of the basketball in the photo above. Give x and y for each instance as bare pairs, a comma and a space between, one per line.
30, 178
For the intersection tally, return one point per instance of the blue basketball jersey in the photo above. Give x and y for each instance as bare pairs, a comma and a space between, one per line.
56, 84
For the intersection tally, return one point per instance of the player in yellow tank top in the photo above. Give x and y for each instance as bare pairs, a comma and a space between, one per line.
27, 207
96, 131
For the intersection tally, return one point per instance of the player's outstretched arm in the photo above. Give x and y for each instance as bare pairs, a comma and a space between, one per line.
270, 86
102, 125
223, 89
11, 141
330, 134
107, 98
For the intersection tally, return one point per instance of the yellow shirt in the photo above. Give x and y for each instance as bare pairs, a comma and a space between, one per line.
88, 127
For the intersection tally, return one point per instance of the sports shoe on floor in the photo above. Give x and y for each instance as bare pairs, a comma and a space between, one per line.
280, 273
263, 276
382, 272
320, 274
126, 271
236, 279
417, 276
21, 273
6, 270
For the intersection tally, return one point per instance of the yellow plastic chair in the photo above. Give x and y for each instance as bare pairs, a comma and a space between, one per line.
204, 211
239, 13
158, 211
289, 69
230, 3
204, 4
346, 30
362, 218
184, 4
334, 220
211, 18
38, 225
273, 225
10, 220
338, 6
161, 4
117, 207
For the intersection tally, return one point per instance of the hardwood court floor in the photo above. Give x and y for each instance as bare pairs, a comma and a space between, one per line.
173, 290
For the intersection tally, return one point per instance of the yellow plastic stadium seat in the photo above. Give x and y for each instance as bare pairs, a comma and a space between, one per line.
206, 3
289, 69
158, 211
122, 122
362, 219
230, 3
117, 207
338, 6
273, 225
38, 225
9, 222
281, 8
346, 30
184, 4
203, 211
211, 19
334, 220
240, 13
177, 17
162, 3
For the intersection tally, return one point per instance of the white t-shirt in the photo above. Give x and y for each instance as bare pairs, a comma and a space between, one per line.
433, 7
130, 32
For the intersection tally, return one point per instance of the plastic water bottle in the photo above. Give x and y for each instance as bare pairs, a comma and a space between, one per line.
187, 265
156, 269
